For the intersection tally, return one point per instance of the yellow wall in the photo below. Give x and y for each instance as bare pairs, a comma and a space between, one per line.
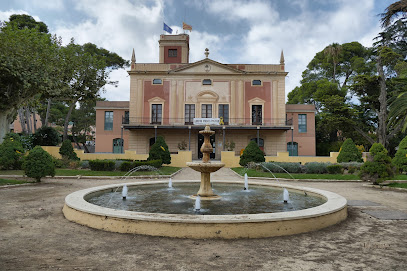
177, 160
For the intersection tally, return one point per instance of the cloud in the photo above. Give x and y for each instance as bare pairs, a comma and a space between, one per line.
5, 15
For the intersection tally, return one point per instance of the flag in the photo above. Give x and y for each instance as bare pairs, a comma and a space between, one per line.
186, 26
167, 28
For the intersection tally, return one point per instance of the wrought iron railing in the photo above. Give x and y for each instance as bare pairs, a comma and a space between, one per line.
276, 122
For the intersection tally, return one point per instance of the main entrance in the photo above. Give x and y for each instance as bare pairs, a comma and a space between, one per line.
200, 142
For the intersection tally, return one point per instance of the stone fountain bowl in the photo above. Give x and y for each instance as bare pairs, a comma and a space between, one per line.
205, 167
79, 210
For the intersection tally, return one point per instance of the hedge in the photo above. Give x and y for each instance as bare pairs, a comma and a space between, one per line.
127, 166
102, 165
282, 167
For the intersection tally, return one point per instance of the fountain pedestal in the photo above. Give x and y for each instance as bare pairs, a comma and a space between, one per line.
206, 167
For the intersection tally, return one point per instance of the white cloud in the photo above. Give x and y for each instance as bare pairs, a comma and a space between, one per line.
5, 15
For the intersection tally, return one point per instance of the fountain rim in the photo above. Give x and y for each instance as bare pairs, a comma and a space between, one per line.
334, 203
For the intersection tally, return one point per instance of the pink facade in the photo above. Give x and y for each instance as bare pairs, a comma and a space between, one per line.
106, 134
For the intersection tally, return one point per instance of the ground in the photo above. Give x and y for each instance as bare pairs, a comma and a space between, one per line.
34, 235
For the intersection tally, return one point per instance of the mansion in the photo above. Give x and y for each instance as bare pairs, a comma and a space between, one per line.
175, 98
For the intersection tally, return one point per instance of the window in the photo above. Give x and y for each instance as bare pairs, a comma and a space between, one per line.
206, 111
256, 82
172, 53
108, 120
302, 123
256, 114
157, 82
224, 113
126, 118
207, 82
189, 113
156, 113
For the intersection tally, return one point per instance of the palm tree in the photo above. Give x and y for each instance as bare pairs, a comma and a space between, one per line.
398, 112
393, 11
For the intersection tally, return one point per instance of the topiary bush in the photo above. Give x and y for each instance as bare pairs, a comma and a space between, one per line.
101, 165
159, 151
282, 167
67, 151
316, 168
334, 169
251, 153
46, 136
38, 164
400, 159
379, 168
11, 152
349, 152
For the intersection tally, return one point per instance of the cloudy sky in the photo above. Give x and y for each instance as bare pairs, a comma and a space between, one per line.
235, 31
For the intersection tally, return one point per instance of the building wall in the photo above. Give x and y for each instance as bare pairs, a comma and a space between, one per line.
306, 141
104, 138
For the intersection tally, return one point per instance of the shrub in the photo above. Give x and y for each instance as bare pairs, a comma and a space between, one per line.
349, 152
46, 136
38, 164
84, 164
101, 165
379, 167
251, 153
348, 165
282, 167
334, 169
182, 146
316, 168
400, 159
11, 152
159, 151
27, 141
352, 170
60, 163
67, 151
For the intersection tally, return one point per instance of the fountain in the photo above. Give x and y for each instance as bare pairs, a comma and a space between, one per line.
251, 219
206, 167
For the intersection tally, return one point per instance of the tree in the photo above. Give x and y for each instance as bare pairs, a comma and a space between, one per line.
379, 167
349, 152
87, 69
400, 159
11, 152
251, 153
29, 64
160, 151
393, 11
38, 164
46, 136
67, 152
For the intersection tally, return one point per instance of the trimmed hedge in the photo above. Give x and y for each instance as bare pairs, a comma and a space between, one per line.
400, 159
279, 167
127, 166
251, 153
349, 152
316, 168
102, 165
159, 150
335, 169
39, 164
379, 168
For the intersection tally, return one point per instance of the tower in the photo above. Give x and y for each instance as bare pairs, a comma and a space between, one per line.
174, 48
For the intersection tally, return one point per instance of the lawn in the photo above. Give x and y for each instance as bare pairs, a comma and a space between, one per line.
85, 172
8, 182
255, 173
398, 185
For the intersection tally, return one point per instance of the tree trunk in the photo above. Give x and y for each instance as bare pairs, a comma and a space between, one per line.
47, 113
22, 120
4, 124
68, 116
34, 122
381, 131
28, 120
85, 148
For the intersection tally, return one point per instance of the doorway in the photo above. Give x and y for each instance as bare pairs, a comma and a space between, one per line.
118, 145
201, 141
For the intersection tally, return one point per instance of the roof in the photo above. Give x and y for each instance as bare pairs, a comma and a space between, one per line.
112, 105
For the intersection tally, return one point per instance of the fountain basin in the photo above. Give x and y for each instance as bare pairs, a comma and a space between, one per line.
333, 211
205, 167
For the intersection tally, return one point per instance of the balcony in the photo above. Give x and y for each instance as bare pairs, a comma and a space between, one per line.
235, 123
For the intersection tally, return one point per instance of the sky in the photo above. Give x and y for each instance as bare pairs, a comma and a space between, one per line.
235, 31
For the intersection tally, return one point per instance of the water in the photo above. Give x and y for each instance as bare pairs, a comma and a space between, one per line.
246, 182
124, 191
170, 183
235, 200
197, 204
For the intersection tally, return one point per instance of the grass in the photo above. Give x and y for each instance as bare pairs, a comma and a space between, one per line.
10, 182
85, 172
399, 185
